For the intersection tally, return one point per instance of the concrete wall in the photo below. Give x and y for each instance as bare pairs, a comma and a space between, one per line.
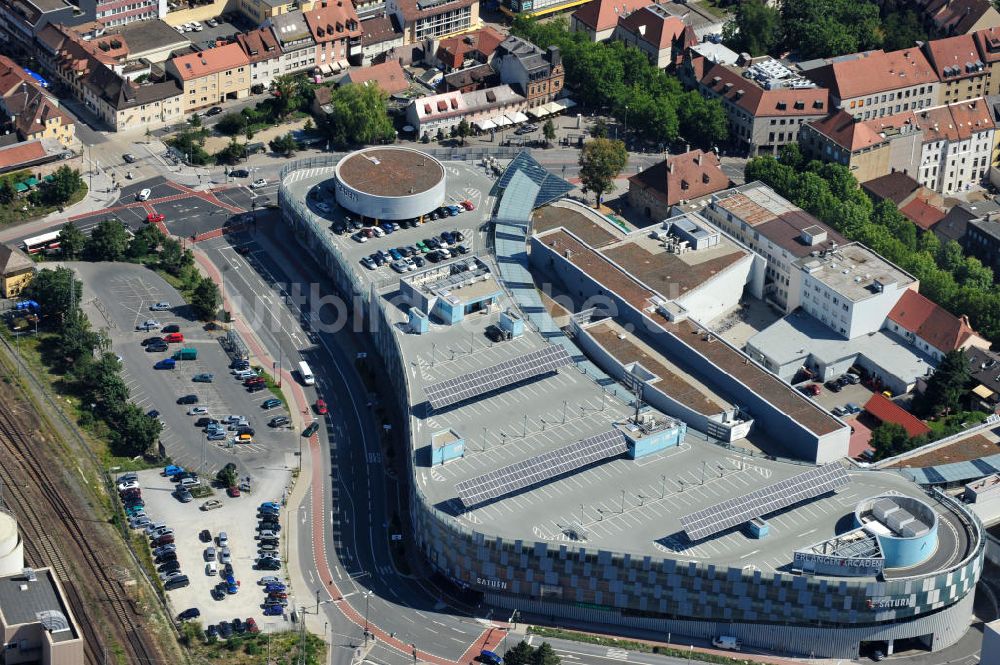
199, 13
720, 293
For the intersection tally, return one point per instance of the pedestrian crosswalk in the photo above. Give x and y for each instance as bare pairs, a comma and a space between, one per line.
617, 654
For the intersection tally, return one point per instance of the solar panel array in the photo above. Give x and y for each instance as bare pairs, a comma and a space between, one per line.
766, 500
534, 470
482, 381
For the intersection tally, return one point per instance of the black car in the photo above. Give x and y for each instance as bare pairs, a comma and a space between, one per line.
278, 421
432, 243
268, 564
239, 173
256, 387
205, 421
176, 582
129, 158
212, 631
169, 566
433, 257
166, 558
338, 227
239, 626
495, 333
459, 237
245, 429
190, 613
227, 569
188, 399
268, 526
462, 249
268, 541
172, 328
205, 536
218, 594
153, 413
158, 347
215, 110
151, 340
225, 629
833, 386
309, 431
239, 365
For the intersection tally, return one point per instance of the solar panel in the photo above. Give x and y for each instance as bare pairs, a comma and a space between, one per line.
543, 467
766, 500
480, 382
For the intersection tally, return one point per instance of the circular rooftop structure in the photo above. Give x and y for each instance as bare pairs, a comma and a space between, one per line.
390, 183
906, 528
11, 547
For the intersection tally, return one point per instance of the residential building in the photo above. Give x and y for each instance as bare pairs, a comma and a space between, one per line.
984, 366
32, 112
113, 13
442, 112
955, 224
477, 47
676, 180
658, 34
885, 410
717, 54
389, 76
958, 144
536, 74
380, 36
957, 17
21, 21
917, 203
478, 77
988, 46
982, 239
29, 154
875, 83
259, 12
264, 55
765, 102
16, 271
599, 18
433, 20
298, 48
703, 23
956, 61
336, 30
211, 76
775, 229
153, 40
932, 328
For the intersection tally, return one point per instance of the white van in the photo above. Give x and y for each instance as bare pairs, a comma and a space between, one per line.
727, 642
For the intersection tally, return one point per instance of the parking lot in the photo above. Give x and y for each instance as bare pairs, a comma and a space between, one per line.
117, 297
235, 517
465, 183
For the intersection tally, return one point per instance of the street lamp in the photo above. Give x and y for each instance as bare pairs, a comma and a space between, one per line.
368, 595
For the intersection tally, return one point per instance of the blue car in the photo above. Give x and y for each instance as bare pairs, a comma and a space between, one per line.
273, 610
270, 505
172, 470
490, 658
274, 588
387, 228
396, 254
166, 363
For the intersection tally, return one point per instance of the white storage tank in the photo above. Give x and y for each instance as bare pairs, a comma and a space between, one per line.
11, 547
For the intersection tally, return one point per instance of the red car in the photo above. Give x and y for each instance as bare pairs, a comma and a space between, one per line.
252, 626
468, 205
233, 491
154, 217
321, 407
253, 380
173, 338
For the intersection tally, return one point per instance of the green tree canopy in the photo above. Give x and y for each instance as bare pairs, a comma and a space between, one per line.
234, 152
889, 439
232, 124
549, 131
946, 386
71, 242
55, 291
205, 299
601, 160
133, 432
285, 144
145, 242
519, 654
107, 242
64, 184
755, 29
358, 115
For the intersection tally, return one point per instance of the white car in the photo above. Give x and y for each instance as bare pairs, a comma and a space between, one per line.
268, 579
196, 26
211, 504
148, 324
197, 411
211, 568
144, 195
259, 182
225, 556
128, 485
379, 233
160, 306
211, 23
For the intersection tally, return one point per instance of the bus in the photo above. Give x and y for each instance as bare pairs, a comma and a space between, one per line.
47, 243
306, 374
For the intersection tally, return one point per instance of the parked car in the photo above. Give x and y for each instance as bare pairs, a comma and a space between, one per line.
239, 173
156, 347
197, 411
278, 421
176, 582
215, 110
148, 324
204, 377
129, 158
159, 306
205, 536
310, 430
190, 613
211, 504
271, 403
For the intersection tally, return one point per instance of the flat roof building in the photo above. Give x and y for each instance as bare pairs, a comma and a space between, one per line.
36, 621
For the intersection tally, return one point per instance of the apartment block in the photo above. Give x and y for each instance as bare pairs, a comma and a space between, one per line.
660, 35
960, 70
958, 144
211, 76
264, 55
536, 74
599, 18
298, 47
433, 19
336, 30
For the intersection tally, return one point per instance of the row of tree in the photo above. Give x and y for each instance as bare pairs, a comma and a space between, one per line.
59, 189
524, 654
822, 28
620, 79
111, 241
90, 369
959, 283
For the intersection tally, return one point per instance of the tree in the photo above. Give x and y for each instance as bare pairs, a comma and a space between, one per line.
146, 241
7, 192
64, 184
285, 89
946, 386
133, 432
227, 475
358, 115
71, 242
889, 439
232, 154
549, 131
755, 28
195, 121
544, 655
463, 129
519, 654
108, 242
173, 258
232, 124
285, 145
601, 160
205, 299
702, 121
826, 28
54, 291
599, 130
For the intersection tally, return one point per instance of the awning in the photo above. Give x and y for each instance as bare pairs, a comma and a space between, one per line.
484, 125
983, 391
501, 121
31, 182
326, 68
566, 103
552, 107
517, 117
539, 112
20, 187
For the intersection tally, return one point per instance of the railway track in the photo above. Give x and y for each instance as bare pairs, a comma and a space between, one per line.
24, 468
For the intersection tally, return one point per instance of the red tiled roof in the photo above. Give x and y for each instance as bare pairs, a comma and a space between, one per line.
988, 41
210, 61
688, 176
330, 20
653, 28
600, 15
956, 122
931, 322
20, 153
12, 76
953, 52
845, 131
389, 76
954, 16
454, 50
259, 45
888, 412
922, 213
745, 93
875, 71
